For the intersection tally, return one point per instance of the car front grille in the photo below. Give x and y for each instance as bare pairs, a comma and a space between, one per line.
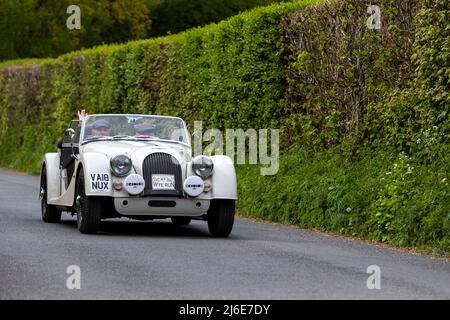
162, 163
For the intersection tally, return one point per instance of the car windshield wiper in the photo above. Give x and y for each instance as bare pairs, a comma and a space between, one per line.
96, 138
123, 136
148, 138
144, 137
175, 141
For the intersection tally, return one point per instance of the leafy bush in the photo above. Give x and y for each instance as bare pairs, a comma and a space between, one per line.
338, 68
173, 16
397, 200
432, 53
230, 74
37, 29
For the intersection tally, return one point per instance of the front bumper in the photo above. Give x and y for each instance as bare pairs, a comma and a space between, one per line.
161, 206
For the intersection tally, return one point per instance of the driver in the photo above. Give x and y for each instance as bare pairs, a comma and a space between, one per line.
101, 128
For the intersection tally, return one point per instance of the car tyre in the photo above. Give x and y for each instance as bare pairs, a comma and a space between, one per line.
49, 212
89, 209
181, 221
221, 217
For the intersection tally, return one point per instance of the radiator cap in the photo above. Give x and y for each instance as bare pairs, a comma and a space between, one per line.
193, 186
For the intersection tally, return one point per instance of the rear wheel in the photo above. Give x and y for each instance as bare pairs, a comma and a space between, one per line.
49, 212
221, 217
180, 221
88, 209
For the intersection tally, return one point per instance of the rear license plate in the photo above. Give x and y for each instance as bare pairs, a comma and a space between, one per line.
163, 182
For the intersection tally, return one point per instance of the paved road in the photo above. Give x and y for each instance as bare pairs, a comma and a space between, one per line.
154, 260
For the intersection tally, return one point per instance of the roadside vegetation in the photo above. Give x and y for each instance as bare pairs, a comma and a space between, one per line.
37, 28
363, 114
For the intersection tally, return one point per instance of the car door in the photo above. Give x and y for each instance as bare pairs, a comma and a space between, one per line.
69, 151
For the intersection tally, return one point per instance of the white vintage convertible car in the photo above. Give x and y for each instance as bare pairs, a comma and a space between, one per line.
136, 166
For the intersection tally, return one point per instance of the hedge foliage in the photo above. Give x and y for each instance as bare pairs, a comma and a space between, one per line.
381, 196
173, 16
37, 29
364, 114
339, 68
236, 64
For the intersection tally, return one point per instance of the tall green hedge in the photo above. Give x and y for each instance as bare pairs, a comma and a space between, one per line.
229, 75
364, 114
339, 69
37, 28
173, 16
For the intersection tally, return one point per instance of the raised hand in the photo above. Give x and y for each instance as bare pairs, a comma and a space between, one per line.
82, 114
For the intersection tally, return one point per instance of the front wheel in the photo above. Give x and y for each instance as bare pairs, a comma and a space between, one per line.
221, 217
88, 209
49, 212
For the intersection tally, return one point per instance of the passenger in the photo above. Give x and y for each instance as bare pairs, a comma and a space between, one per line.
145, 130
82, 114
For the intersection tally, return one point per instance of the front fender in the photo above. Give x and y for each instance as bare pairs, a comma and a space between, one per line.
51, 163
97, 174
223, 180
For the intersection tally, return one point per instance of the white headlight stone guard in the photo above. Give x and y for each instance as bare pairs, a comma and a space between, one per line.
134, 184
193, 186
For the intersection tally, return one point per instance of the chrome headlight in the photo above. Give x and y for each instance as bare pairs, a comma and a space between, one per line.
121, 165
203, 166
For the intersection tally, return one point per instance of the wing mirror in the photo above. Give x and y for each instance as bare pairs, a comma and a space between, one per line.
70, 132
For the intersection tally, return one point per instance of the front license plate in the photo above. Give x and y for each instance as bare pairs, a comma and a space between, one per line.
163, 182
